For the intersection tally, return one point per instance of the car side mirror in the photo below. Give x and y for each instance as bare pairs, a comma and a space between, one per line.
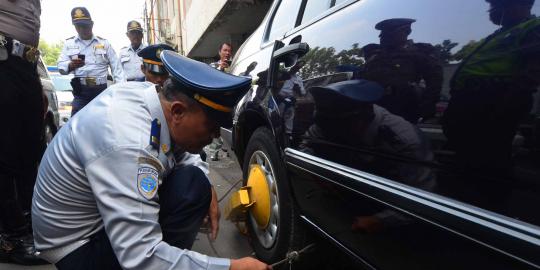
288, 55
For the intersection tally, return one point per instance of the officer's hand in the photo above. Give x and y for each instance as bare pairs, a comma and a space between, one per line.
248, 263
214, 215
75, 63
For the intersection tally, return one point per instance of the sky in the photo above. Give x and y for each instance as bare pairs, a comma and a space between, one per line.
110, 19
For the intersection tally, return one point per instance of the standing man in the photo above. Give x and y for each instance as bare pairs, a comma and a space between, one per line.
107, 196
225, 55
131, 62
492, 89
22, 110
88, 57
409, 71
224, 63
152, 67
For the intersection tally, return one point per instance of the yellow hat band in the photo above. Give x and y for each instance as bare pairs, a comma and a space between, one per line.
81, 18
153, 62
211, 104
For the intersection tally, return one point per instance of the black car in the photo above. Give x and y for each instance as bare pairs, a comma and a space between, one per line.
441, 172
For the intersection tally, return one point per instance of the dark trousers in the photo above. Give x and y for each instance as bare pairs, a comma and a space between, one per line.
85, 94
184, 199
21, 139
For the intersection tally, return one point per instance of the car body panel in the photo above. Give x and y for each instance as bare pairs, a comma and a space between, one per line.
434, 225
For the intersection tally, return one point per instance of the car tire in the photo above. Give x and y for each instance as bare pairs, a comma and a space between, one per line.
262, 145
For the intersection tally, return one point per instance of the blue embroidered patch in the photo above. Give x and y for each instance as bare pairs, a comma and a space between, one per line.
147, 182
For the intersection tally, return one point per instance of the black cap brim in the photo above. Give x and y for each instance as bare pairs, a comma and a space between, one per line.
82, 22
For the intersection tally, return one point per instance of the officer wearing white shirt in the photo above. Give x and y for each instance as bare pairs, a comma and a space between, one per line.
131, 63
88, 57
107, 196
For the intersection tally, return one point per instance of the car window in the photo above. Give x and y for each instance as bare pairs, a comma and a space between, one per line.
436, 105
284, 19
313, 8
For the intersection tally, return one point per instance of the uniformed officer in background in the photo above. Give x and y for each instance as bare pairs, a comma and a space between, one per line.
131, 62
107, 196
152, 67
410, 72
22, 110
88, 57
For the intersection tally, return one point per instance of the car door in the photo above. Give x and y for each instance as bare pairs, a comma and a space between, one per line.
395, 193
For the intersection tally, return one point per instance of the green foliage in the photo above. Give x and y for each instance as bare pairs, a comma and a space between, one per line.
50, 51
324, 61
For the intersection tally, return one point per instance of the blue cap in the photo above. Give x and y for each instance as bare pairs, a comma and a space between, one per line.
80, 15
346, 96
217, 91
151, 56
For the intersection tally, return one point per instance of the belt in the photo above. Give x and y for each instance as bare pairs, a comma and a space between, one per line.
93, 81
19, 49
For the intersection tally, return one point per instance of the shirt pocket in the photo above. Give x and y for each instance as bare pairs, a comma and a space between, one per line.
124, 58
101, 56
72, 52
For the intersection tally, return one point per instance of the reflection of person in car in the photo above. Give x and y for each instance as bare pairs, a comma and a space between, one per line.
410, 72
346, 118
492, 90
292, 88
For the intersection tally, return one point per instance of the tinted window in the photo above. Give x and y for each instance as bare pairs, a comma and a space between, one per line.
314, 8
284, 19
458, 108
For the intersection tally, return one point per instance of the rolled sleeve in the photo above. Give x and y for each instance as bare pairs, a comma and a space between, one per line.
130, 217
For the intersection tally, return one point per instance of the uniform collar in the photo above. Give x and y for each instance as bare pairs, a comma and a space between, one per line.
92, 39
142, 46
156, 112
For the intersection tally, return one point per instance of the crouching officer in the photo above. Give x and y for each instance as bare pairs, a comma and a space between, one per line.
88, 57
107, 197
152, 67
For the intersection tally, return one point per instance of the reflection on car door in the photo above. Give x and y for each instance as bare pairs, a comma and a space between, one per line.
388, 186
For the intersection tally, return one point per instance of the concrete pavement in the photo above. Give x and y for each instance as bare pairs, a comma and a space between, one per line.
230, 242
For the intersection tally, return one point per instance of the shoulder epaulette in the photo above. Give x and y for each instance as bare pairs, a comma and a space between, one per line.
70, 37
101, 38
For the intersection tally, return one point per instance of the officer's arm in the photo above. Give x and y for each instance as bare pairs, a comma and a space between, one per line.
186, 158
116, 65
122, 182
63, 61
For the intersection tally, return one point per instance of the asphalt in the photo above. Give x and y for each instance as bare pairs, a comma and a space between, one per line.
230, 243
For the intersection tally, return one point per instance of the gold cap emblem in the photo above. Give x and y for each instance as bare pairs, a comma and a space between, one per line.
158, 53
78, 13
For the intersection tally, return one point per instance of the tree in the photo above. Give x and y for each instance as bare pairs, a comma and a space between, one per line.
324, 61
444, 50
50, 51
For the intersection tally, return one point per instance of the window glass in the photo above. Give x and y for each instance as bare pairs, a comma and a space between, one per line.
314, 8
443, 99
337, 2
284, 19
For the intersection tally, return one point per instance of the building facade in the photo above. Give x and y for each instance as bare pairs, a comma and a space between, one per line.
196, 28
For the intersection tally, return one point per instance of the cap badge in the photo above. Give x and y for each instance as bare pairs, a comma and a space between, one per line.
78, 13
158, 53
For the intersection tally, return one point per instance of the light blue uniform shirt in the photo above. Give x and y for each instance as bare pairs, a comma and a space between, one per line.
99, 55
90, 179
131, 62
